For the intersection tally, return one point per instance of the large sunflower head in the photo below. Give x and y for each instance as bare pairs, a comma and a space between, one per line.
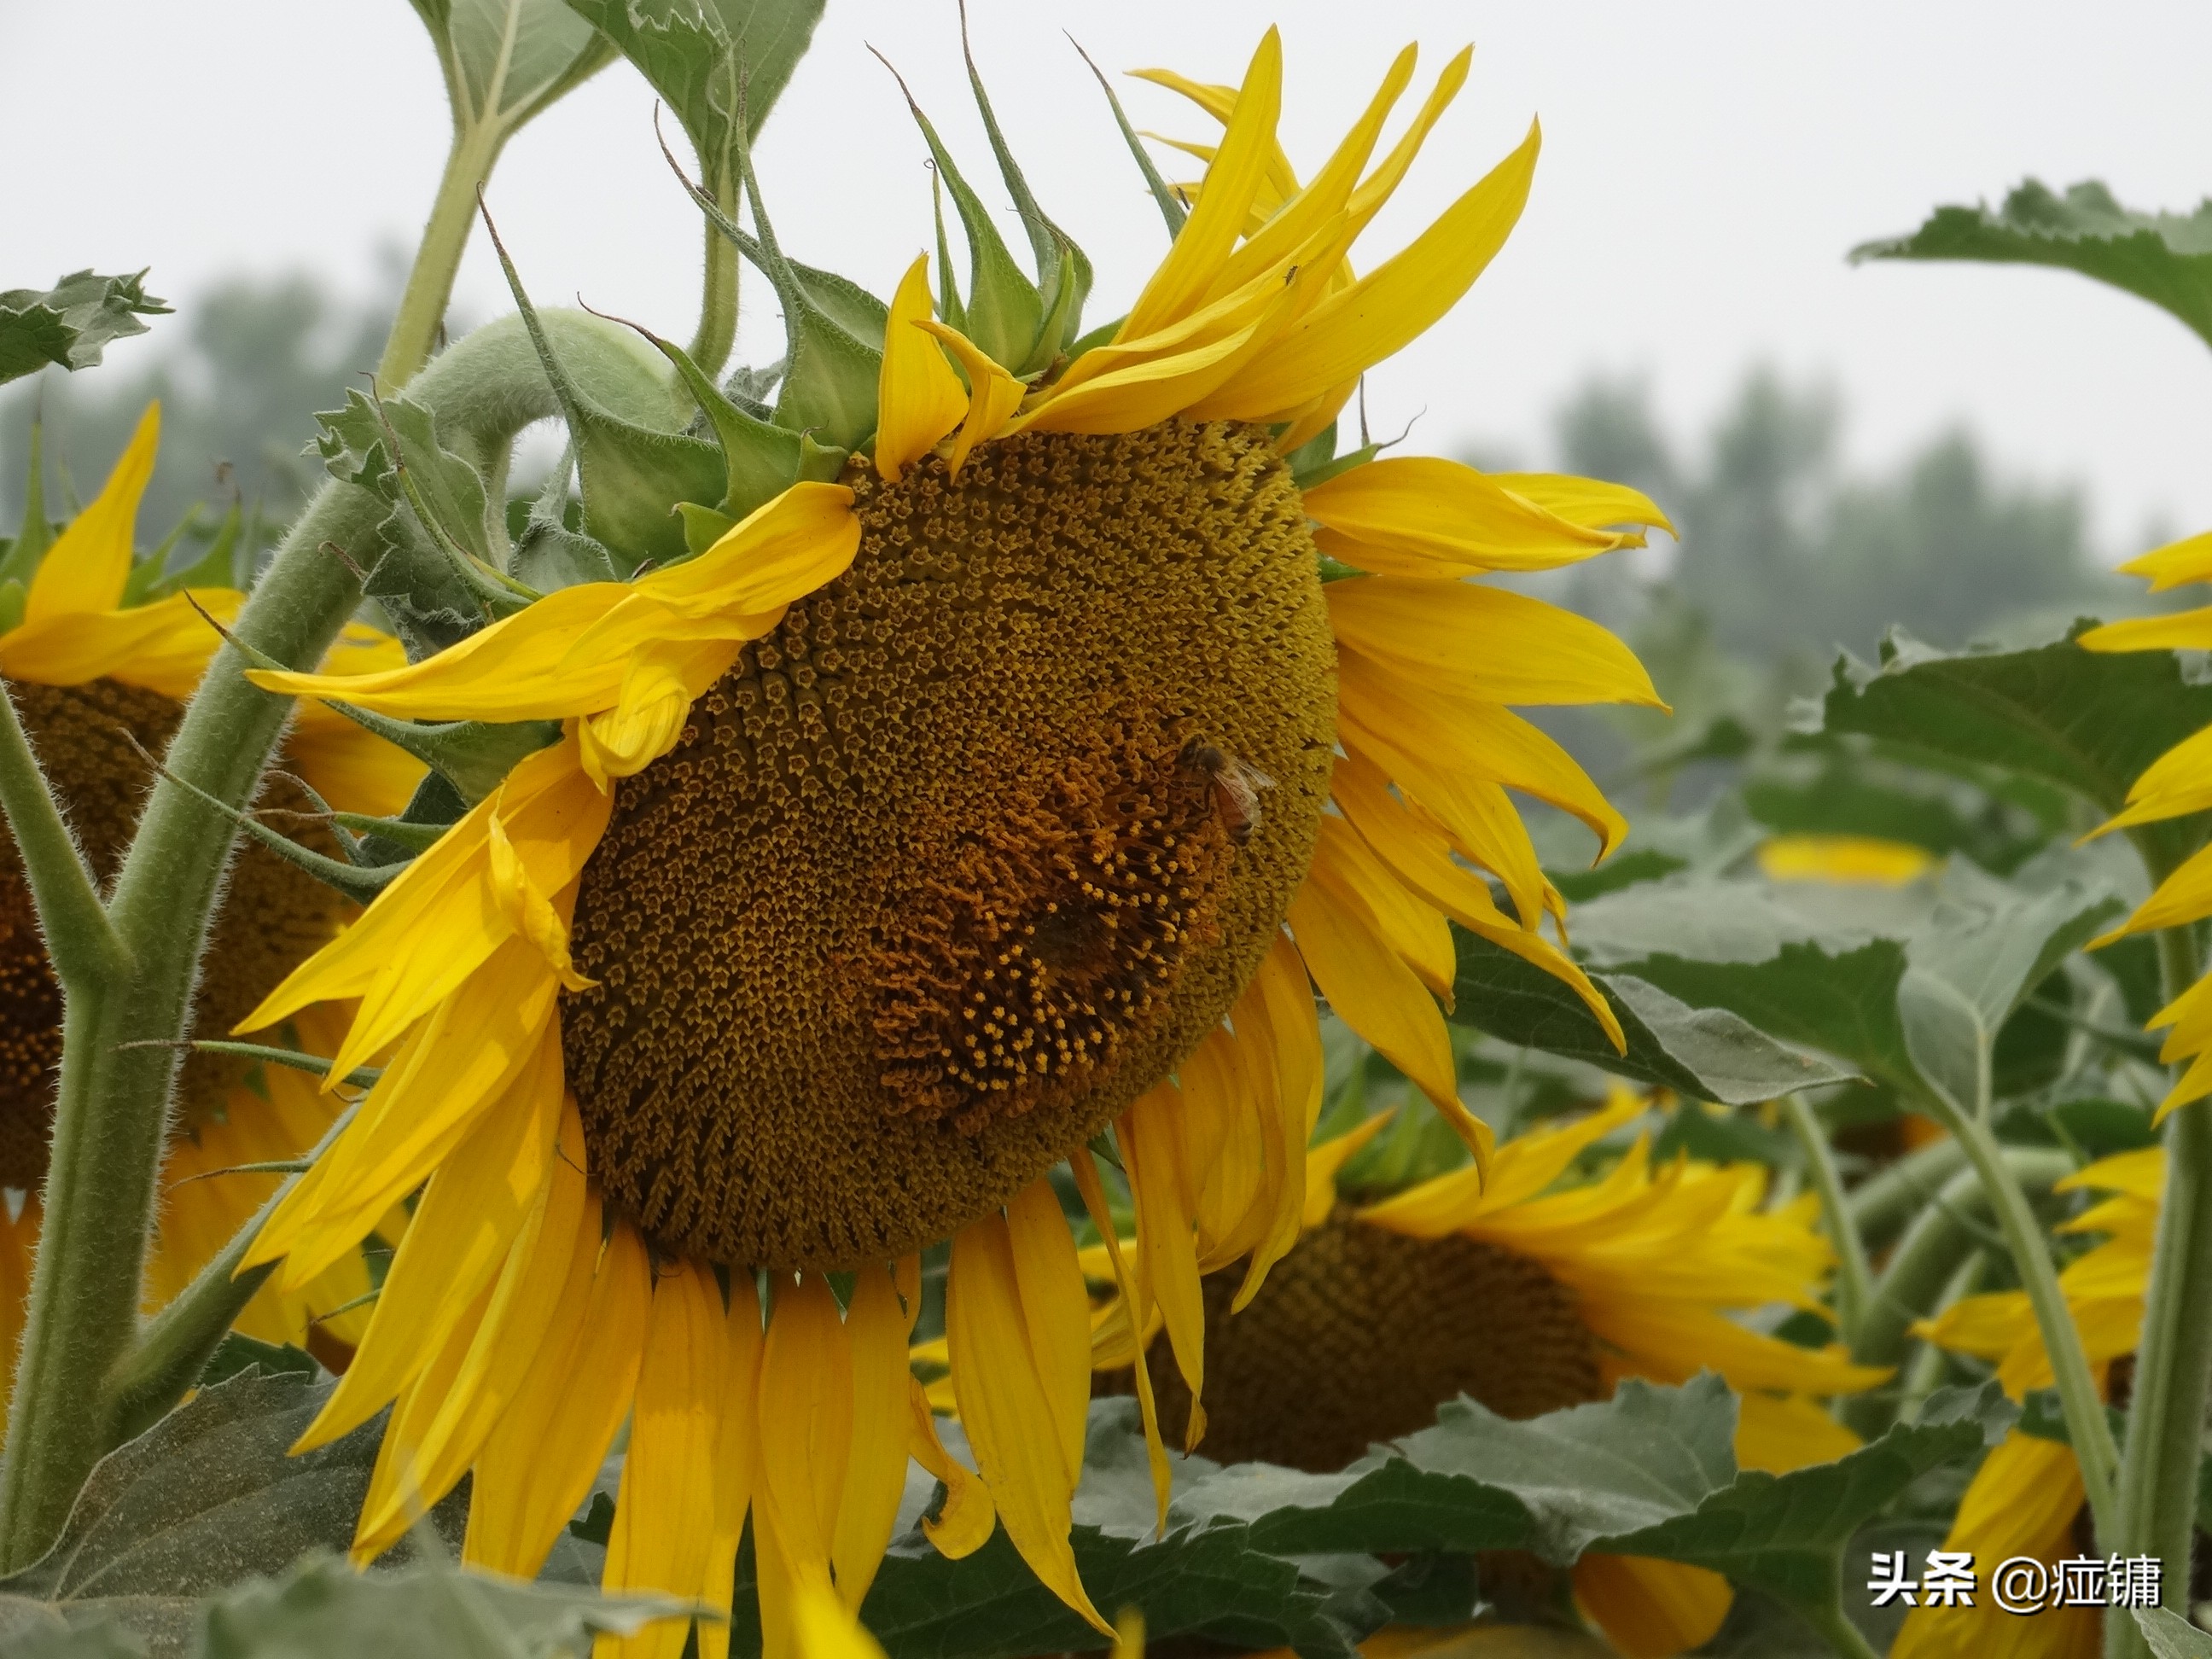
1003, 756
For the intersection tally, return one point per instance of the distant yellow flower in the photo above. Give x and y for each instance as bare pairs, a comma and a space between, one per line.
85, 668
900, 842
1867, 859
1525, 1295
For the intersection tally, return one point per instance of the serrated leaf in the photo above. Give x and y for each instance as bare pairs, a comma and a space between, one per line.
205, 1499
2088, 722
1707, 1052
323, 1608
505, 60
71, 323
2163, 258
31, 1630
2170, 1636
713, 61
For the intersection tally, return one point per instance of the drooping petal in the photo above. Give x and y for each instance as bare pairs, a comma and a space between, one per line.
992, 394
664, 1521
878, 1322
1021, 1400
1133, 1294
1167, 1259
1651, 1609
163, 646
964, 1524
918, 397
1424, 517
1486, 643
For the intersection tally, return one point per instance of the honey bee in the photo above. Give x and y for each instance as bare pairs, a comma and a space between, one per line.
1236, 786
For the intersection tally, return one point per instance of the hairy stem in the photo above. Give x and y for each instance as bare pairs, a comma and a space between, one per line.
1843, 1635
718, 300
2025, 1242
1854, 1279
1886, 1200
429, 288
176, 1343
1947, 1232
121, 1043
2156, 1502
81, 943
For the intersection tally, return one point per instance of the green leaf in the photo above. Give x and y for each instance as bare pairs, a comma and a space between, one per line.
205, 1499
2163, 258
71, 323
1717, 944
28, 1630
2088, 722
1984, 948
325, 1608
714, 61
1706, 1052
507, 60
2170, 1635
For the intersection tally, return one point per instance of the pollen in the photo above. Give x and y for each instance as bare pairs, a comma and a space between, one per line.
274, 915
939, 877
1358, 1335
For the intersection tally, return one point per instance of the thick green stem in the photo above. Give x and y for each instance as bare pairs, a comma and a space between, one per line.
2156, 1502
119, 1051
429, 288
2025, 1242
175, 1347
1854, 1279
1843, 1635
718, 300
80, 942
1884, 1202
1945, 1234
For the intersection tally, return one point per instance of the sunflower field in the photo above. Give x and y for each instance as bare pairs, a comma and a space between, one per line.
941, 1002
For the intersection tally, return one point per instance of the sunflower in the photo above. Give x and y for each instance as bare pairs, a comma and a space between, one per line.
919, 828
98, 673
2027, 1498
1526, 1295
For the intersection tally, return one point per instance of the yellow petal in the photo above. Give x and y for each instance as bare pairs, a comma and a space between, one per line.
2188, 560
542, 1458
1651, 1609
825, 1627
1022, 1389
1392, 306
992, 394
472, 1210
1133, 1296
399, 1484
1276, 1025
89, 562
1485, 643
1781, 1433
964, 1524
1416, 931
1278, 182
1421, 860
2178, 630
1593, 503
1180, 282
1325, 1161
1342, 942
1423, 517
665, 1513
1167, 1260
737, 1460
551, 1263
918, 397
807, 1418
657, 689
1864, 859
163, 646
878, 1322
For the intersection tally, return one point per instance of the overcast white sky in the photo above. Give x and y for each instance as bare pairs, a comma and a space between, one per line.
1705, 169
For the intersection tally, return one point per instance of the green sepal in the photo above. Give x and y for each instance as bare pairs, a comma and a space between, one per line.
831, 370
820, 463
292, 1059
703, 526
1337, 466
216, 568
1102, 335
1003, 309
1063, 269
13, 598
416, 837
1171, 206
631, 476
145, 572
760, 459
360, 883
435, 805
37, 534
474, 756
549, 553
